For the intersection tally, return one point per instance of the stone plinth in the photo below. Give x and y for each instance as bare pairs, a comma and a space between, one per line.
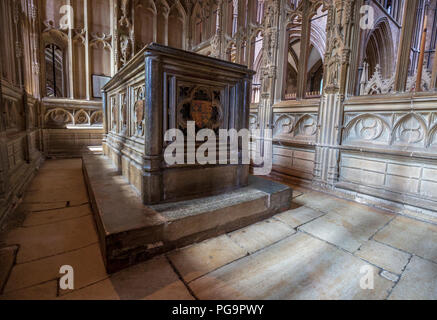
130, 231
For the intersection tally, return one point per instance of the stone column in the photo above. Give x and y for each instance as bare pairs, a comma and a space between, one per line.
282, 55
87, 50
70, 51
337, 60
35, 49
115, 36
304, 54
112, 5
151, 192
105, 110
4, 181
268, 70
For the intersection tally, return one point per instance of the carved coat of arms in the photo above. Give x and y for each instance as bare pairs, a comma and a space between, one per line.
201, 105
201, 112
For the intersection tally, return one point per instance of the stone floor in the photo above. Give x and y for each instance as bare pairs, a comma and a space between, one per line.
320, 249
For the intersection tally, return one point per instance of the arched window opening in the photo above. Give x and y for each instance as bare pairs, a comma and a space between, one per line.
315, 74
175, 28
316, 54
421, 62
198, 26
54, 59
426, 12
292, 58
379, 52
292, 69
303, 77
377, 73
144, 19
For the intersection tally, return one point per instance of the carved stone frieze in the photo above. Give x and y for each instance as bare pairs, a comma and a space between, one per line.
397, 130
295, 126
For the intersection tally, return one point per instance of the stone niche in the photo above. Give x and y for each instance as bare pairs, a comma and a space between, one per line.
163, 88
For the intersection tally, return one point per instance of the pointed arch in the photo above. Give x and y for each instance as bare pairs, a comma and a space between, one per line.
379, 49
144, 23
177, 19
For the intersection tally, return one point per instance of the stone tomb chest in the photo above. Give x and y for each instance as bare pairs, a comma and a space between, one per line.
163, 88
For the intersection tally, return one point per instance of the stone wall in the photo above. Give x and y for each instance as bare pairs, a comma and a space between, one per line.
20, 126
71, 127
378, 148
389, 148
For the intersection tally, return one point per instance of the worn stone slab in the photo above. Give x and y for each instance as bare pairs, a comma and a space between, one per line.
348, 227
147, 231
102, 290
413, 236
201, 258
43, 291
152, 279
261, 234
384, 256
66, 185
299, 267
37, 207
174, 291
52, 239
73, 195
321, 202
7, 259
299, 216
418, 282
87, 264
52, 216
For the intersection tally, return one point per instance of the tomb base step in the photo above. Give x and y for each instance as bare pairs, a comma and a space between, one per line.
130, 232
